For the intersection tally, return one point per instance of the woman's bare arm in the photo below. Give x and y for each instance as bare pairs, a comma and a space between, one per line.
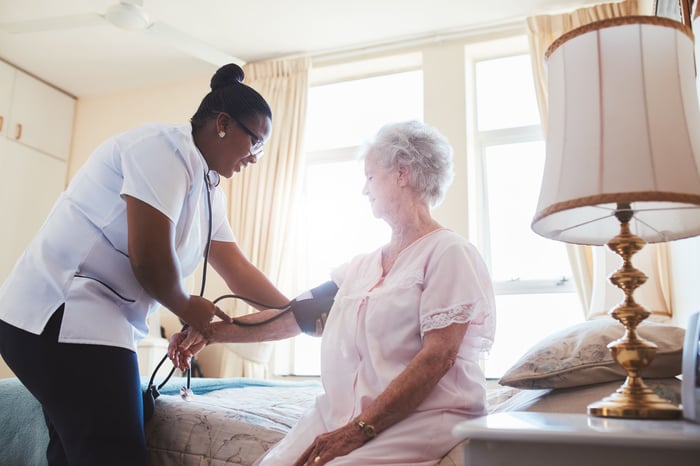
271, 326
414, 384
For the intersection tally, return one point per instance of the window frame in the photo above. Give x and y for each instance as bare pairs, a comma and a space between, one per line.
480, 141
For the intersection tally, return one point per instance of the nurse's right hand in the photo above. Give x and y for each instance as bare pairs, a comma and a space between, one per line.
199, 314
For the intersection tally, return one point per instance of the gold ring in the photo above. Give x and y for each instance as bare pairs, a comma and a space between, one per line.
317, 459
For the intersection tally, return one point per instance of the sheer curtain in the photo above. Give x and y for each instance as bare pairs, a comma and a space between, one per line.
261, 201
261, 198
592, 265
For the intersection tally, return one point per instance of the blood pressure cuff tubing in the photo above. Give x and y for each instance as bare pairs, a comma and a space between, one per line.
310, 305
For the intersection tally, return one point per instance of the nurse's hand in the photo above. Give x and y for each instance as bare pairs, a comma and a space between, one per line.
199, 314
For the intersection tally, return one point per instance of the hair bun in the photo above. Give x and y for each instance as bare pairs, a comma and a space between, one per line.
227, 75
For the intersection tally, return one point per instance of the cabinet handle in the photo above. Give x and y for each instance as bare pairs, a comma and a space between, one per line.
18, 134
2, 120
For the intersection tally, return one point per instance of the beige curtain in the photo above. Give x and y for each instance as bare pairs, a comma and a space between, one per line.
592, 266
262, 199
545, 29
261, 205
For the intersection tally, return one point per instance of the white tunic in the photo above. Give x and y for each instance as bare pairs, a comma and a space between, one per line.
80, 256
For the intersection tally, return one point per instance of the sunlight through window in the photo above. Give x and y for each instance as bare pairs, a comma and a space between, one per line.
336, 222
532, 276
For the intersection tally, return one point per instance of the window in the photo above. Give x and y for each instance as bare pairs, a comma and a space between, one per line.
498, 164
531, 274
336, 222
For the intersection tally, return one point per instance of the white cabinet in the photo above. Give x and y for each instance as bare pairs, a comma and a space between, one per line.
150, 352
31, 182
35, 114
35, 136
7, 79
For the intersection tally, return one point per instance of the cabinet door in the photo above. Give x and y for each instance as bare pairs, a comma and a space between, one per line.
41, 116
30, 184
7, 82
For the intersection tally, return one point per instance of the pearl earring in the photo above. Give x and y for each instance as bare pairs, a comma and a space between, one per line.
222, 134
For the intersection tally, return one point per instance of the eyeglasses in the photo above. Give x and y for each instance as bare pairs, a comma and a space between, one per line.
256, 149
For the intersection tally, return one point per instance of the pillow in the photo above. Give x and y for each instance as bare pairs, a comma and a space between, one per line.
579, 355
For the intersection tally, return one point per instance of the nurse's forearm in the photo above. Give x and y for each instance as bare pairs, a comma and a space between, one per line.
161, 280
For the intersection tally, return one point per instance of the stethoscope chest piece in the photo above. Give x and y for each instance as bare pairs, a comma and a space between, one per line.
186, 393
213, 178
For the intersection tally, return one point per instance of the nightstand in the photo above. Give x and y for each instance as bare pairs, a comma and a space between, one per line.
549, 439
150, 352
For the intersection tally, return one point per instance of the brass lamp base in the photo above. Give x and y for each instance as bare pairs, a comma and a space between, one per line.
633, 399
635, 402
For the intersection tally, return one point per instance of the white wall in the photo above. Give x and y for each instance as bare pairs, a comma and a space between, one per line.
98, 118
444, 92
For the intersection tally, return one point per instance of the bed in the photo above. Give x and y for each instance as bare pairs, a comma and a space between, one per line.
232, 421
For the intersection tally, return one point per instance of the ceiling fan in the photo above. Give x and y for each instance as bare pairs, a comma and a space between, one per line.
128, 15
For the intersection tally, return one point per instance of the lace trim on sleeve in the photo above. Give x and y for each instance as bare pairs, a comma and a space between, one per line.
457, 315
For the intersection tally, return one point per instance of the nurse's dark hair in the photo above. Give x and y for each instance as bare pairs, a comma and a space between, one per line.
229, 94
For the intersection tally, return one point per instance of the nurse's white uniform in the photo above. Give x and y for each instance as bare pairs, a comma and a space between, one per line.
80, 256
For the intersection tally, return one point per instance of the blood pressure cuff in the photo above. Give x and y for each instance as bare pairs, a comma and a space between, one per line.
308, 306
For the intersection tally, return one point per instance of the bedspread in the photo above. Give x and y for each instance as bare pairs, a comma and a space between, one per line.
231, 422
231, 426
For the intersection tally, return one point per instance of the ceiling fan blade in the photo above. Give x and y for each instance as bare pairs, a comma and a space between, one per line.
53, 23
190, 45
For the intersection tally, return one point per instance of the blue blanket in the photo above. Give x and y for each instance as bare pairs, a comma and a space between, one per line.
23, 434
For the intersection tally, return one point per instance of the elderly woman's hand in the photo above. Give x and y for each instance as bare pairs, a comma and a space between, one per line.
184, 345
331, 445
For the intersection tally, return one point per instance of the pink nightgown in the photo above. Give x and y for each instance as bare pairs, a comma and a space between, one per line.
374, 330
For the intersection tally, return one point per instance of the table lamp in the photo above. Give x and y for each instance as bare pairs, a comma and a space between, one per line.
621, 169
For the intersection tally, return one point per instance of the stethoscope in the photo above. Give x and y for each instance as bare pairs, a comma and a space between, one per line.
211, 181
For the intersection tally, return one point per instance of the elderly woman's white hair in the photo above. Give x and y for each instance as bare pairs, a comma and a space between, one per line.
420, 147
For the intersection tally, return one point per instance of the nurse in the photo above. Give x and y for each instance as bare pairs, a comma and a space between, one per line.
134, 222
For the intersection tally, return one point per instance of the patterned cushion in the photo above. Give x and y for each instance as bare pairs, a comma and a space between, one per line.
579, 355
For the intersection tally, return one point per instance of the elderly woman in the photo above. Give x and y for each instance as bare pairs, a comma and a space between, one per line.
400, 348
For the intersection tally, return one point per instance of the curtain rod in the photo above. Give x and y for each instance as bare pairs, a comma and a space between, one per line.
513, 26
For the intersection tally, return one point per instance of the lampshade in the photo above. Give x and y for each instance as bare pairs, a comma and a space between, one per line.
623, 127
